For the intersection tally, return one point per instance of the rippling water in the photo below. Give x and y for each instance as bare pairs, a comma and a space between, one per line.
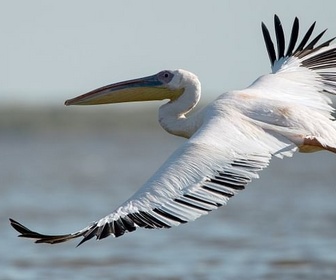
59, 171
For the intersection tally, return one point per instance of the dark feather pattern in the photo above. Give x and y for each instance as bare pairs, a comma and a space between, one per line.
294, 37
279, 36
311, 57
302, 49
305, 38
223, 184
269, 44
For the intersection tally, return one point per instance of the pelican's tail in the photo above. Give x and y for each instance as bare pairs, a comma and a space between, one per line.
313, 144
51, 239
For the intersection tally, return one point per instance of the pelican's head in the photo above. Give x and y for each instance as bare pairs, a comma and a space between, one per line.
163, 85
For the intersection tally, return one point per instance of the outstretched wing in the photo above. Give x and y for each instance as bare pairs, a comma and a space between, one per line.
211, 167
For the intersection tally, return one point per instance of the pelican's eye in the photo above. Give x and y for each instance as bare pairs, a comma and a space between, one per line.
165, 76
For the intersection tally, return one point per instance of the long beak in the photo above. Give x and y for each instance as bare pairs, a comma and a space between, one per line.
142, 89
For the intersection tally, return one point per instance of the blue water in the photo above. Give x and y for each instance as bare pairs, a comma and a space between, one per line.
59, 172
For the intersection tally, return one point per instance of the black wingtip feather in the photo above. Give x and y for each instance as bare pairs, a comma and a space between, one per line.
304, 47
88, 235
24, 231
294, 37
40, 238
268, 43
305, 38
325, 44
314, 41
280, 37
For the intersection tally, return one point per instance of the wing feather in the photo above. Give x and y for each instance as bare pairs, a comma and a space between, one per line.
294, 37
305, 39
269, 43
199, 177
280, 36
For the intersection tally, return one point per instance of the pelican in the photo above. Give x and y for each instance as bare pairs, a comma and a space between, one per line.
229, 141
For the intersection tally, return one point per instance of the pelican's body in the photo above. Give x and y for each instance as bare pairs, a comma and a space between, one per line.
230, 140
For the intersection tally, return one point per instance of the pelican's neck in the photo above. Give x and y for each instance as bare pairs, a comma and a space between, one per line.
172, 115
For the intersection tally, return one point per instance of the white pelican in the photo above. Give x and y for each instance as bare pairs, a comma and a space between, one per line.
229, 141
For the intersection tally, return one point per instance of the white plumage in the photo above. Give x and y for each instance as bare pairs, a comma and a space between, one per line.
230, 140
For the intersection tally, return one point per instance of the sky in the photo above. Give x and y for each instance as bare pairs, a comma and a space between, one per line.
54, 50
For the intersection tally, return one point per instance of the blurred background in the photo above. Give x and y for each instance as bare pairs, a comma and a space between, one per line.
62, 168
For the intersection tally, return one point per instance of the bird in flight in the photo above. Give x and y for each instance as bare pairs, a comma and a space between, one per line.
229, 141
